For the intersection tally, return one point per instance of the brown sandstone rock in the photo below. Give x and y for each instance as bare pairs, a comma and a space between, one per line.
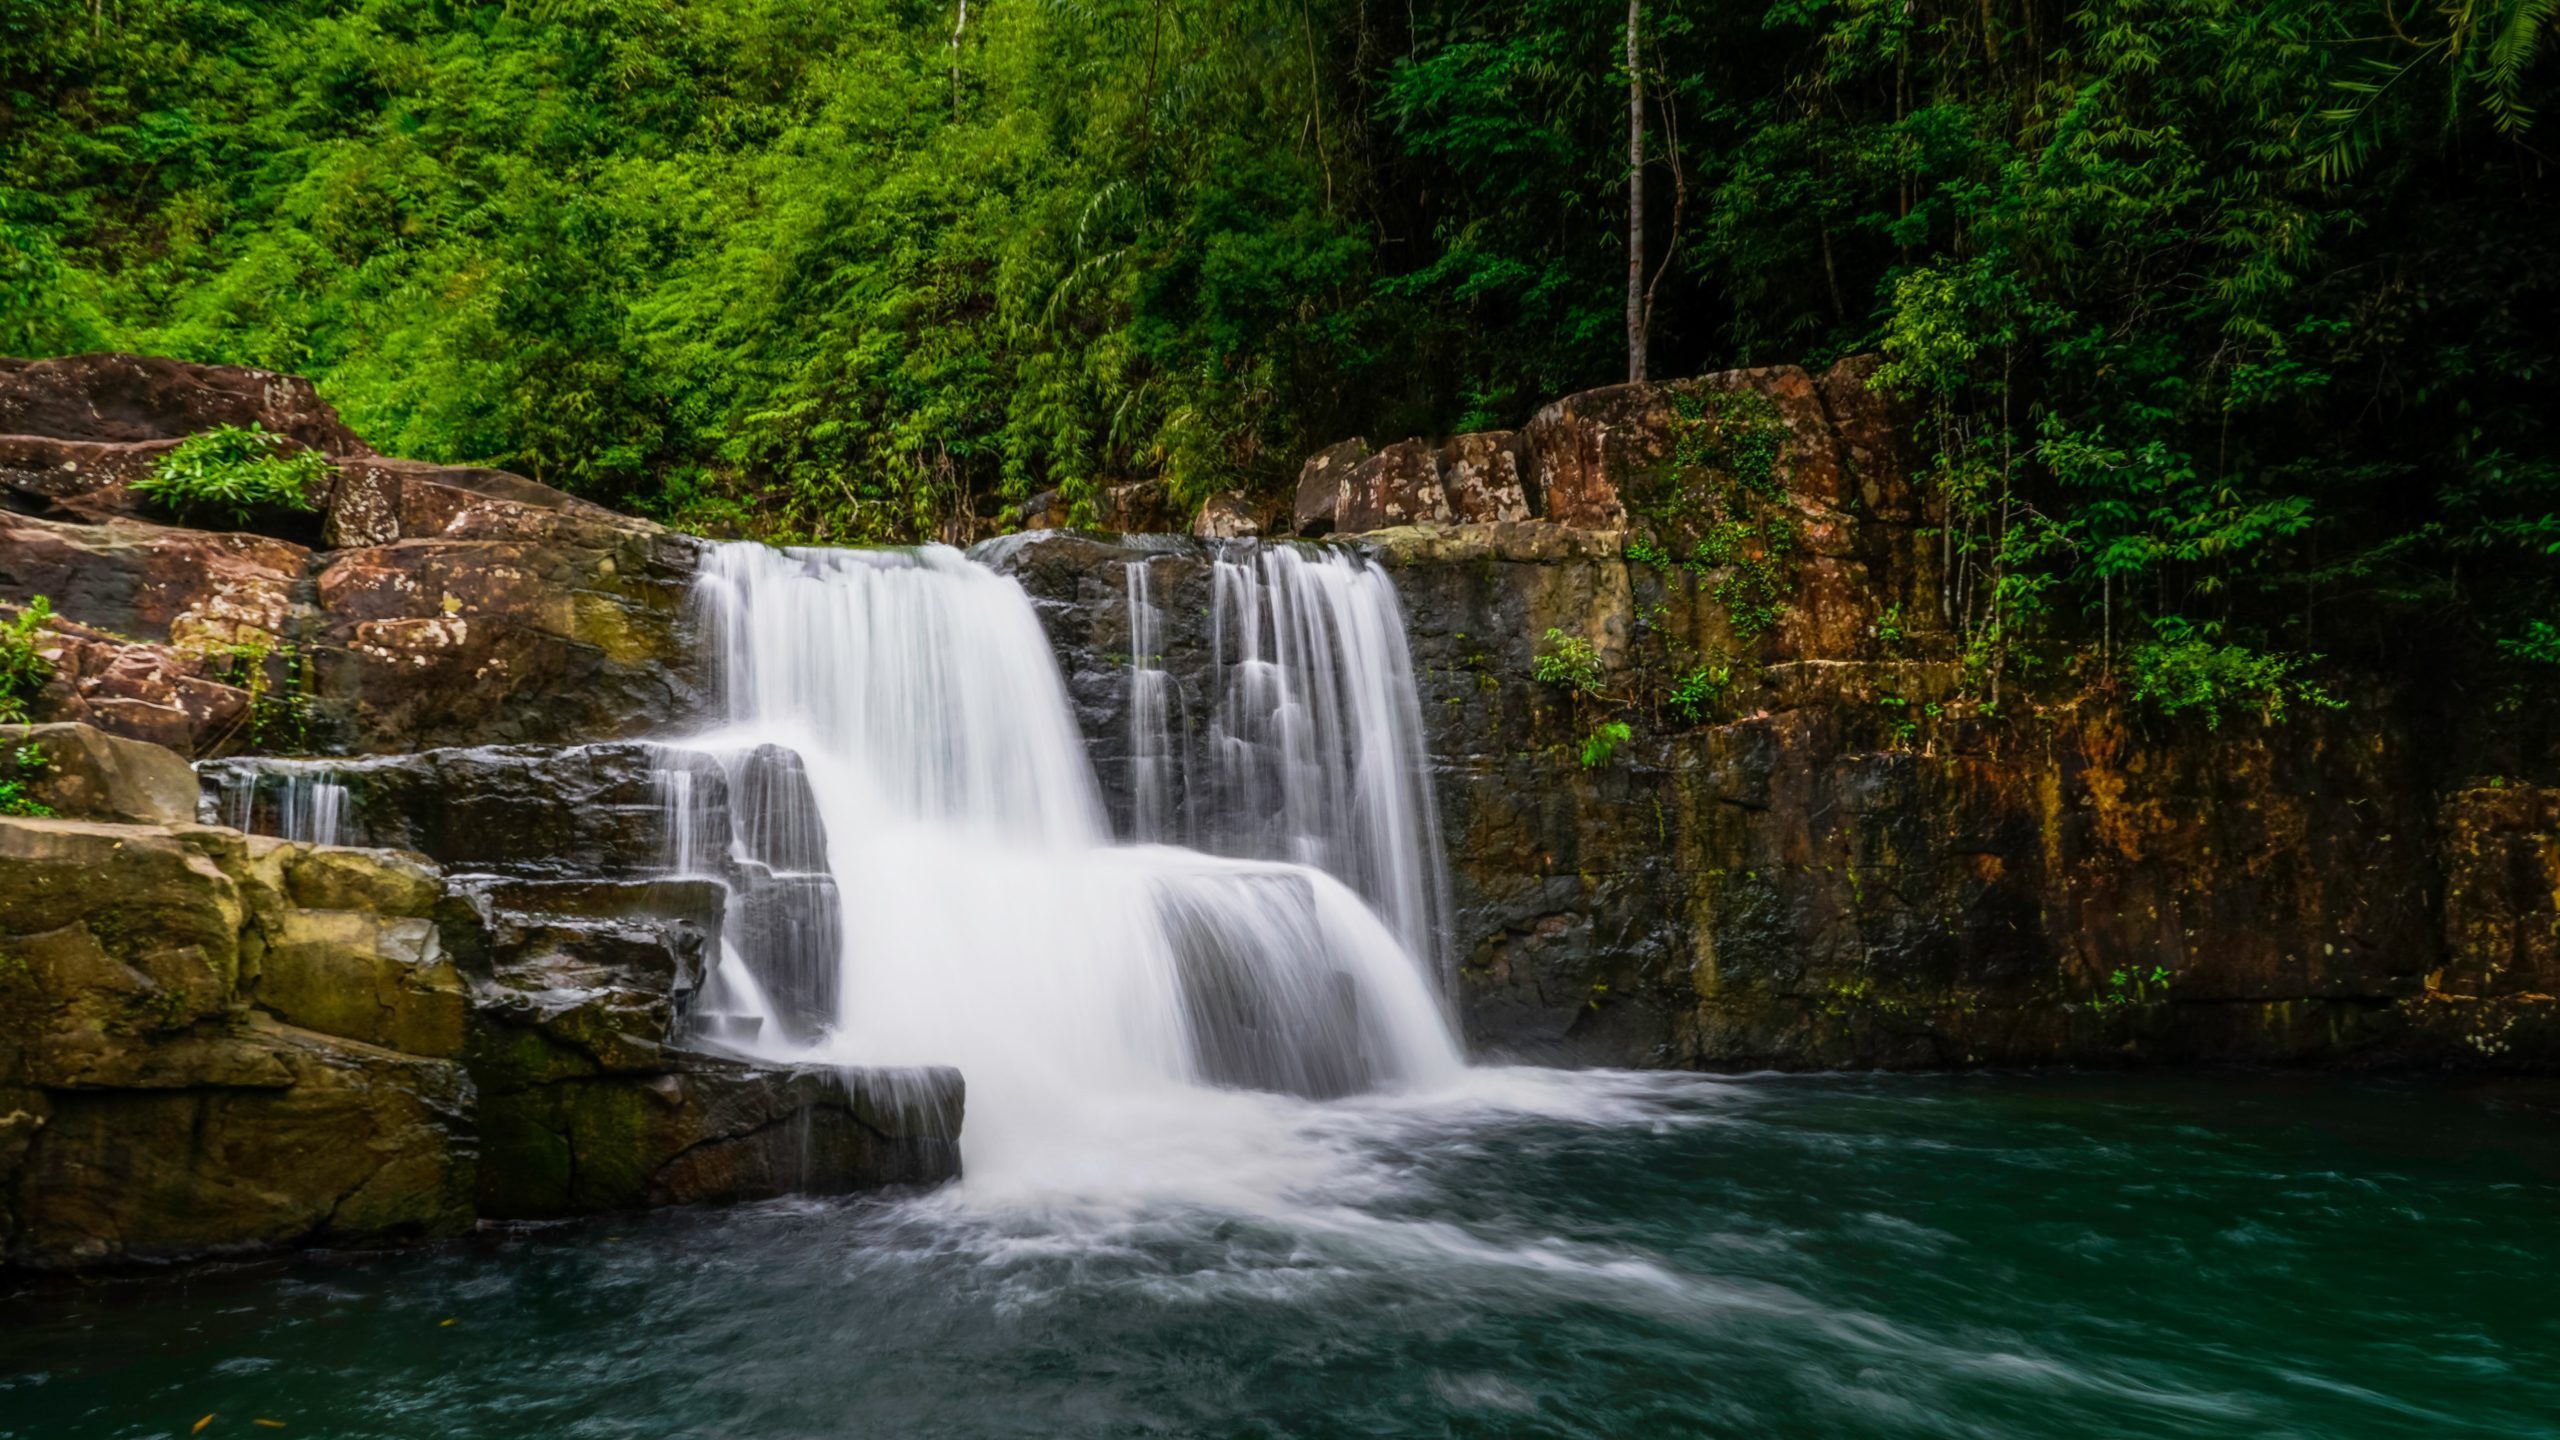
1399, 485
1320, 483
1486, 479
1227, 516
80, 772
478, 641
122, 398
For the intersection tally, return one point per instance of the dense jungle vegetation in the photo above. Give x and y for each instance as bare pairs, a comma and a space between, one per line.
2231, 324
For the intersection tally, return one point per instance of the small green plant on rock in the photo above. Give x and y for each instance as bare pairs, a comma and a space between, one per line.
1569, 661
231, 473
23, 669
1698, 693
2135, 986
2186, 671
24, 764
1601, 745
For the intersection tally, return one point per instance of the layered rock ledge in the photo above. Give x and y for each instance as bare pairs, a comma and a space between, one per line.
214, 1043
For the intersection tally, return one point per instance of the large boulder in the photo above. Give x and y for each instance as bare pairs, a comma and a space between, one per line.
117, 398
151, 1108
452, 604
216, 1043
81, 772
375, 500
1474, 479
441, 642
1320, 482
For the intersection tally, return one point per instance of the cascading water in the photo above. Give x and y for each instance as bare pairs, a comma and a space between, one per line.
307, 802
1153, 761
983, 916
1317, 738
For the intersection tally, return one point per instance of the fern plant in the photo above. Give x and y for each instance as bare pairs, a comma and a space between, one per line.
23, 668
231, 473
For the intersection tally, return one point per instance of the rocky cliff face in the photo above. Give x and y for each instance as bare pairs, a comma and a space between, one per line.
214, 1042
1809, 846
422, 605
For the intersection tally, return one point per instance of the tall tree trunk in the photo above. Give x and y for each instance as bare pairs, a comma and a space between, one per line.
1635, 199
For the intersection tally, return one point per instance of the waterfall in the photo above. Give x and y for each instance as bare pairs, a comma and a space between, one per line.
981, 913
1316, 743
1152, 758
309, 801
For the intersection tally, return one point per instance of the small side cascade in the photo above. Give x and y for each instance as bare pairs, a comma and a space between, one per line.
298, 800
744, 818
1315, 745
1154, 763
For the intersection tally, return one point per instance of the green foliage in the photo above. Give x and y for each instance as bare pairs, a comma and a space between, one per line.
1601, 745
1569, 661
231, 474
2218, 312
278, 718
2135, 986
1698, 693
2184, 672
24, 764
23, 668
1725, 501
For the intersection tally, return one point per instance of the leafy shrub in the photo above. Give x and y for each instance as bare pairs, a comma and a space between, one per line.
1567, 660
230, 473
24, 764
1698, 693
1603, 742
23, 671
2185, 671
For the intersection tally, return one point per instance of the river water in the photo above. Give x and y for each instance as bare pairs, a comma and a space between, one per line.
1527, 1253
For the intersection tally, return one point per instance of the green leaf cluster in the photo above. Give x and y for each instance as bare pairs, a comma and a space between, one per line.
231, 473
23, 668
2223, 313
1567, 660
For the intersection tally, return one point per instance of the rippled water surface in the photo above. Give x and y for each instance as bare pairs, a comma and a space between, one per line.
1537, 1254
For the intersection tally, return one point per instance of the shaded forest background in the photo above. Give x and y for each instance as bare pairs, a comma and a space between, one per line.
2231, 326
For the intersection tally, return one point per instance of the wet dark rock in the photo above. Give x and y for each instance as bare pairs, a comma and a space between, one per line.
1841, 862
579, 810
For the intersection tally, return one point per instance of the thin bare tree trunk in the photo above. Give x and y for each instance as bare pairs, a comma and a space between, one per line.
1635, 198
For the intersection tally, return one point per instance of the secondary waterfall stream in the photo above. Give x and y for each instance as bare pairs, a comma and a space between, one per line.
945, 888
